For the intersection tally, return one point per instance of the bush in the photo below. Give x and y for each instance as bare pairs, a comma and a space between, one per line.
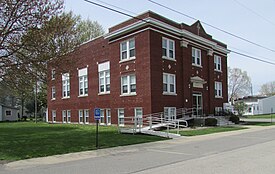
235, 119
211, 122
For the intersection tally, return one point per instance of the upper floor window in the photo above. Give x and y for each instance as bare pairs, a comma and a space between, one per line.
66, 85
168, 48
83, 81
53, 92
217, 63
128, 84
104, 77
53, 74
127, 50
196, 56
218, 89
169, 83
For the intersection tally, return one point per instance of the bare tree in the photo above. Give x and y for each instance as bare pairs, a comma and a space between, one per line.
17, 17
268, 89
239, 83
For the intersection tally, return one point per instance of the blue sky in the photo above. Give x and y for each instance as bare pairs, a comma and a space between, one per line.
254, 20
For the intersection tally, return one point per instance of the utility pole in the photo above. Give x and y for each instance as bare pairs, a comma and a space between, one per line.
35, 102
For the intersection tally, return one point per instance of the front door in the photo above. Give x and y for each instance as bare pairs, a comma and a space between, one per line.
197, 104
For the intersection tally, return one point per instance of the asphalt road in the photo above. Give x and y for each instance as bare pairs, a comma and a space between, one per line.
246, 151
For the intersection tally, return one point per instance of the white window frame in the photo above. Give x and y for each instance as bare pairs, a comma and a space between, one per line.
108, 117
64, 116
196, 54
53, 116
83, 82
218, 109
127, 50
102, 117
80, 115
86, 116
53, 73
168, 113
104, 75
166, 77
69, 116
217, 63
129, 84
139, 118
121, 117
218, 89
53, 93
66, 85
169, 42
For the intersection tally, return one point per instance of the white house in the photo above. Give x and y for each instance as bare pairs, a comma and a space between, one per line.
267, 105
8, 113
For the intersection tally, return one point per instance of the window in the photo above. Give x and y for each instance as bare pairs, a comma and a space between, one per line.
64, 116
127, 50
120, 117
169, 83
83, 82
66, 85
196, 57
80, 116
53, 92
68, 116
53, 74
170, 113
217, 63
168, 48
53, 116
128, 84
218, 110
86, 115
101, 121
108, 115
104, 77
218, 89
138, 116
8, 113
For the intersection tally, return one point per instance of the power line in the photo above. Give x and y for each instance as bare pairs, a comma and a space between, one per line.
212, 26
252, 57
117, 11
114, 10
254, 12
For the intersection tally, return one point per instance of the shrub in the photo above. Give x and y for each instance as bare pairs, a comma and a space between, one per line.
211, 122
235, 119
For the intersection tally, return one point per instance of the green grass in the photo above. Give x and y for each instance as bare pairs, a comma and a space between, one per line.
268, 116
259, 123
25, 140
211, 130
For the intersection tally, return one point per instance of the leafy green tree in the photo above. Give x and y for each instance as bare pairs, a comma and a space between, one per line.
240, 107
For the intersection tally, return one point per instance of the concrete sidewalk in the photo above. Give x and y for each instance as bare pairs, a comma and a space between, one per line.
30, 163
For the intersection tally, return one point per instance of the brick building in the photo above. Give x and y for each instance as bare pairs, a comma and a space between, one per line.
140, 67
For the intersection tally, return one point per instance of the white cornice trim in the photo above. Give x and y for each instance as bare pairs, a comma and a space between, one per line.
166, 27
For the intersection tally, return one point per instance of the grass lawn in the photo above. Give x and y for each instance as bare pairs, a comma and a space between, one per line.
259, 123
268, 116
210, 130
24, 140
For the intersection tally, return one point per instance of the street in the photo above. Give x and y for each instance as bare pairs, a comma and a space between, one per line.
245, 151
